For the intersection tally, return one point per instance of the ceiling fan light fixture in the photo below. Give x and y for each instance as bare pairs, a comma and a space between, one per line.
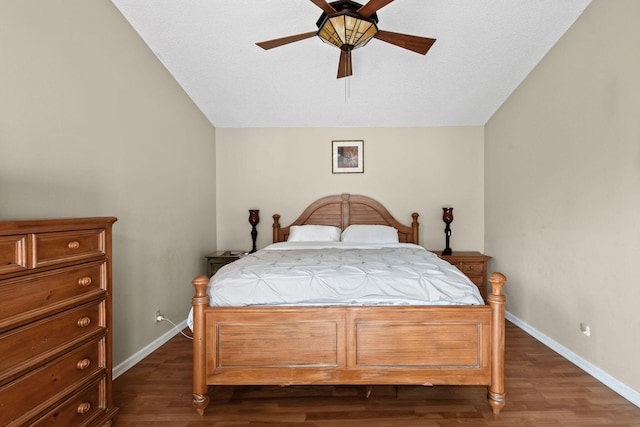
347, 31
349, 25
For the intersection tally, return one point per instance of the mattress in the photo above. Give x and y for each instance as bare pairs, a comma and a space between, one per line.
341, 273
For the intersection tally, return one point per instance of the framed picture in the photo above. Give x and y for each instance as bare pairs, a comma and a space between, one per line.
348, 156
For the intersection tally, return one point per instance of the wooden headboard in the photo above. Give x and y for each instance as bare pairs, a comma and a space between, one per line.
344, 210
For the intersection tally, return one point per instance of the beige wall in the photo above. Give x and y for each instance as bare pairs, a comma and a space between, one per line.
406, 169
91, 124
563, 191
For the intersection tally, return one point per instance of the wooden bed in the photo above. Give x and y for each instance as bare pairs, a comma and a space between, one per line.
399, 345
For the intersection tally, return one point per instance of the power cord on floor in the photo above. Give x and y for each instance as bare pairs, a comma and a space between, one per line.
160, 317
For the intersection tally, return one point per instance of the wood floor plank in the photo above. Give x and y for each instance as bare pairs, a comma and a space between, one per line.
543, 389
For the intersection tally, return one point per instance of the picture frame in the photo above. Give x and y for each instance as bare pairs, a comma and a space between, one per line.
347, 156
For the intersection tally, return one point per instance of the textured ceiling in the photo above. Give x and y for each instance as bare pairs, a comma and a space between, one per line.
484, 49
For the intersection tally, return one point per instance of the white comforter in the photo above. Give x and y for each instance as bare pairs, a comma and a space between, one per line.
338, 273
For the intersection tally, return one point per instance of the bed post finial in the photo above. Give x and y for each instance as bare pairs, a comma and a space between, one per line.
200, 302
497, 301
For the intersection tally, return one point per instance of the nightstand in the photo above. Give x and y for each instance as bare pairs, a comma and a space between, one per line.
473, 265
218, 259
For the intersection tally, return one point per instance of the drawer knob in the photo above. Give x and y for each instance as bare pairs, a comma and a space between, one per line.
83, 322
83, 364
73, 245
84, 407
84, 281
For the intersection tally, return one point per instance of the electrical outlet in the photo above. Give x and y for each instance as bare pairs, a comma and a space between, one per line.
585, 329
159, 317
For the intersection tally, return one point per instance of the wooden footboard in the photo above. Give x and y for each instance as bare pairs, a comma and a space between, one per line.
425, 345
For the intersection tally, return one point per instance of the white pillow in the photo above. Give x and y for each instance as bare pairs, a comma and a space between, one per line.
363, 233
313, 233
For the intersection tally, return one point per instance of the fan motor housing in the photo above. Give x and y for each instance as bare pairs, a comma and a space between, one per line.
346, 29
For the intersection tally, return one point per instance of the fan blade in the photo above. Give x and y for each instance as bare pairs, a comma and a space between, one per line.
372, 7
270, 44
344, 67
326, 7
416, 44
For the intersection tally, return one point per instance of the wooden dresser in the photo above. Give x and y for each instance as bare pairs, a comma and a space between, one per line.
55, 322
473, 265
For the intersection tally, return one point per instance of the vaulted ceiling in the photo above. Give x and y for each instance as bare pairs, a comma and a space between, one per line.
484, 49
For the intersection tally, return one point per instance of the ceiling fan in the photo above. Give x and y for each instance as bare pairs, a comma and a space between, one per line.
350, 25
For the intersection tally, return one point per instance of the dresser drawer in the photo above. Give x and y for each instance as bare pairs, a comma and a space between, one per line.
477, 280
55, 248
471, 268
34, 392
27, 298
78, 410
25, 347
13, 253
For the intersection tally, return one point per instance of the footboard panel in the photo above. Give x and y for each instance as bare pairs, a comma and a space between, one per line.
282, 338
422, 339
348, 345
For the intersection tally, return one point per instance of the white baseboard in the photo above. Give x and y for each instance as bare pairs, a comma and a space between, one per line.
147, 350
622, 389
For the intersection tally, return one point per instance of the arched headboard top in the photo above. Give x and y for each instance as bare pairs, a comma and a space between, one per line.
344, 210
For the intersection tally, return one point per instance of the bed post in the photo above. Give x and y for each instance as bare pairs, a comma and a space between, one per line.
200, 302
496, 395
414, 228
276, 228
345, 215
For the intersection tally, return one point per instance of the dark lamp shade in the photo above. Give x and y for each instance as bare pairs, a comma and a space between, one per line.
344, 29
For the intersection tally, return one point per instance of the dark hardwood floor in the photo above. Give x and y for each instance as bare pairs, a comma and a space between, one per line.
543, 389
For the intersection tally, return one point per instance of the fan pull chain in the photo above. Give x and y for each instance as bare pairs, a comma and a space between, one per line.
347, 89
